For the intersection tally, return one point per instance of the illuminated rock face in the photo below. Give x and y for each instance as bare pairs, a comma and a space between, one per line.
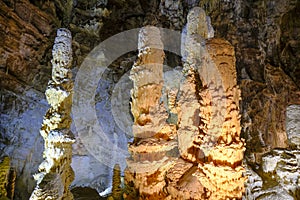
199, 155
7, 179
56, 174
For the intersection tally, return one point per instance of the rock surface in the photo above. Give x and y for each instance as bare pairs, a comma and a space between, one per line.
280, 172
293, 125
265, 112
85, 193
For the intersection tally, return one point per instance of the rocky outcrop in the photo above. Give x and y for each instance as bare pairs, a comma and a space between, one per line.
280, 172
56, 174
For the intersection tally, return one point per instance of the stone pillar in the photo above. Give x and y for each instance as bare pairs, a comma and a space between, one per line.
214, 141
149, 159
199, 155
221, 172
56, 174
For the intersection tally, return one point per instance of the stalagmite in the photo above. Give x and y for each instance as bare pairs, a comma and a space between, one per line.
56, 174
7, 179
4, 175
207, 151
116, 184
217, 146
149, 152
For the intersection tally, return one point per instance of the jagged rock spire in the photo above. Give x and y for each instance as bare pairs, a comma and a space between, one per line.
56, 174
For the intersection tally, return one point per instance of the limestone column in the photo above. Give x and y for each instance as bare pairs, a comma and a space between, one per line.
214, 141
206, 135
209, 129
55, 172
221, 173
149, 159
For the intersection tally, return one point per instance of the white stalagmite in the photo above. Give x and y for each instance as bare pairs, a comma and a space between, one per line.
56, 174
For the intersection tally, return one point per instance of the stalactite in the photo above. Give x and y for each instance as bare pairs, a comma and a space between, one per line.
56, 173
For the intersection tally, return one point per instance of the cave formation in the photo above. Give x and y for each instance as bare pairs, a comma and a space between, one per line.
220, 120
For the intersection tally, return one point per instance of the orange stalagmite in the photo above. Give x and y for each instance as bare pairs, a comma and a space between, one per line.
199, 155
222, 172
149, 163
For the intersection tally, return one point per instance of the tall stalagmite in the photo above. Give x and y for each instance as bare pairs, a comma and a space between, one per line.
221, 173
56, 174
149, 161
199, 155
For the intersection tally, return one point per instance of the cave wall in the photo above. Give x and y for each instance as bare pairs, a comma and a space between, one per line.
265, 36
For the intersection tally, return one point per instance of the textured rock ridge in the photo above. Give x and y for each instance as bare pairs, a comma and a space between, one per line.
264, 113
56, 174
